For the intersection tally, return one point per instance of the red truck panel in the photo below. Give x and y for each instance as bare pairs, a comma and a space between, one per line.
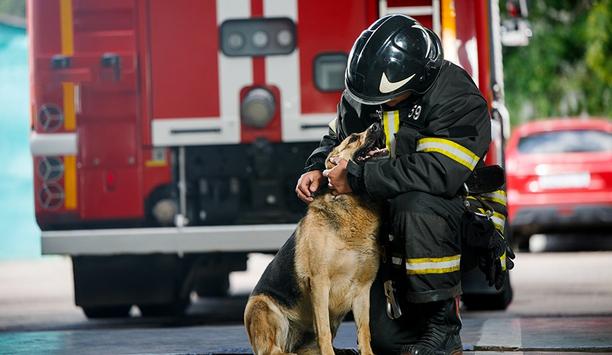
110, 193
184, 47
110, 162
334, 32
107, 145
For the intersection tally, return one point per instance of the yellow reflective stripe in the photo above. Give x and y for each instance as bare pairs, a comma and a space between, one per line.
396, 120
155, 163
449, 31
70, 182
66, 29
67, 46
450, 149
433, 271
433, 260
69, 114
499, 220
387, 131
502, 260
441, 265
498, 196
391, 126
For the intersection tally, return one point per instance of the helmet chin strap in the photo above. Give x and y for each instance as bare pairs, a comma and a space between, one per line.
398, 99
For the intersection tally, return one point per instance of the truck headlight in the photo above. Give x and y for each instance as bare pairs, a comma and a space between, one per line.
258, 108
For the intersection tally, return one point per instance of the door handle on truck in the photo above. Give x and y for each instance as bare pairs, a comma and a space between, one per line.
64, 70
112, 61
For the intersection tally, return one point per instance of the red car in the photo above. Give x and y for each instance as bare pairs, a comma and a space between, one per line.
559, 175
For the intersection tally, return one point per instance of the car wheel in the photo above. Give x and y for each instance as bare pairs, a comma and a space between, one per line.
491, 301
99, 312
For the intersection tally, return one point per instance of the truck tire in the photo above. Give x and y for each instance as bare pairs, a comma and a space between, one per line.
100, 312
214, 285
172, 309
490, 301
107, 286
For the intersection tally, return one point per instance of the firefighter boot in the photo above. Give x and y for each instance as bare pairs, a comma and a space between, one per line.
441, 330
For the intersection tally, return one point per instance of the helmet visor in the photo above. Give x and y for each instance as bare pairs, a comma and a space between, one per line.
373, 101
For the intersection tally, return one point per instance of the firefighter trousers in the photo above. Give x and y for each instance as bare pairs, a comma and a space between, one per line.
426, 252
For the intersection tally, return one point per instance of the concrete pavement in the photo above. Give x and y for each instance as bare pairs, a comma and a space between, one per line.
563, 304
556, 335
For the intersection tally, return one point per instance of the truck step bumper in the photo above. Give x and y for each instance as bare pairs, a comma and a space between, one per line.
244, 238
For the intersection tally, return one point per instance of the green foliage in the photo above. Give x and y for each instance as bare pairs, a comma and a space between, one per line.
599, 35
566, 68
13, 7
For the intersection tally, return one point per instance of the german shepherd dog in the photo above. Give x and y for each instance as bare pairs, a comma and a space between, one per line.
324, 270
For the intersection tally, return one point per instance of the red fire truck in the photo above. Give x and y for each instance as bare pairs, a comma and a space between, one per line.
168, 136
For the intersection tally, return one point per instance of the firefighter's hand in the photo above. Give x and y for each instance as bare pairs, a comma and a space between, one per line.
336, 176
308, 183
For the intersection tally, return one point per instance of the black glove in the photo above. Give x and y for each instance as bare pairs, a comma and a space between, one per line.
496, 260
477, 230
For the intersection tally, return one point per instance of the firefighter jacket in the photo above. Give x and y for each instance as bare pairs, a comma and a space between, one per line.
436, 138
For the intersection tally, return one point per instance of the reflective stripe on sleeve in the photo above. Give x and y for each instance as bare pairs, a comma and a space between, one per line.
390, 120
499, 220
333, 125
450, 149
502, 260
421, 266
498, 196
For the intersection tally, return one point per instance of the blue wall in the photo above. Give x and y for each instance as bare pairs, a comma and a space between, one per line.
19, 234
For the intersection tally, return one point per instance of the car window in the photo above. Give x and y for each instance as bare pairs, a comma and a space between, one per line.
566, 142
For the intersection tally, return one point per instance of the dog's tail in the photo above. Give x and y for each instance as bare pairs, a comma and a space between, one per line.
266, 326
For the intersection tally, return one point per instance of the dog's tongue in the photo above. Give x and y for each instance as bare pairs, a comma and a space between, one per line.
377, 152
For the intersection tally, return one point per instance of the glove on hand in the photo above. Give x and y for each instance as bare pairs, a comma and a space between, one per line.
496, 260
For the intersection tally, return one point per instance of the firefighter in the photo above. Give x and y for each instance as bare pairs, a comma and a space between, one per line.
437, 127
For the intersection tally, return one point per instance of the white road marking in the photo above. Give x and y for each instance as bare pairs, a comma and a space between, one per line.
501, 333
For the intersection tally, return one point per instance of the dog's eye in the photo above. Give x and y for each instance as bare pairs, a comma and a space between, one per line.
353, 138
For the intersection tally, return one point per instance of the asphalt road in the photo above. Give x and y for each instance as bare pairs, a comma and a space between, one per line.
562, 304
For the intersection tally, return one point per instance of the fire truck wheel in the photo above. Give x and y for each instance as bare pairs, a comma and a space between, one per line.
522, 243
213, 285
164, 310
120, 311
489, 301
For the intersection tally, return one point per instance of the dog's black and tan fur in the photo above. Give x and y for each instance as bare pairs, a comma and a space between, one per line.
324, 270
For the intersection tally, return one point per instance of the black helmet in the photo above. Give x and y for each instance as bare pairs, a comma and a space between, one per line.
393, 56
